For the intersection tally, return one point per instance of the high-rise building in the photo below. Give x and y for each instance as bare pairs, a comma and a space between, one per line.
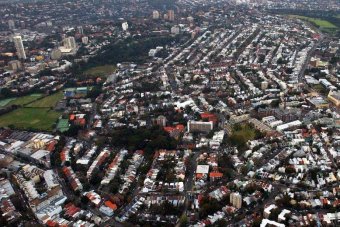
125, 26
19, 46
80, 30
171, 15
22, 24
236, 199
264, 85
160, 120
85, 40
155, 15
15, 65
190, 19
175, 30
11, 24
165, 16
70, 43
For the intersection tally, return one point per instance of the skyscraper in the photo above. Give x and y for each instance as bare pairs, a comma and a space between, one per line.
11, 24
125, 26
80, 30
19, 46
70, 43
171, 15
155, 15
236, 199
85, 40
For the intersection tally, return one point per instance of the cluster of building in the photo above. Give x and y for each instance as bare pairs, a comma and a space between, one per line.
245, 104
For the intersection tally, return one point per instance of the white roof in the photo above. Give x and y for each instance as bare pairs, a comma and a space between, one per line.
204, 169
266, 222
65, 50
40, 154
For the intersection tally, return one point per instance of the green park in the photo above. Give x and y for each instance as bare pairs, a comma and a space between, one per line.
323, 24
241, 134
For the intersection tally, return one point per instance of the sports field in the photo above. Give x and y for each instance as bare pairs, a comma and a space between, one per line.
20, 100
37, 115
48, 101
5, 102
30, 118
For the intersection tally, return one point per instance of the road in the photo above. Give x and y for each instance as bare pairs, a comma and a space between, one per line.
301, 78
189, 181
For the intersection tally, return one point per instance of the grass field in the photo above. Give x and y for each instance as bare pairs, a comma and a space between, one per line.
36, 115
25, 99
100, 71
30, 118
48, 101
318, 22
20, 100
5, 102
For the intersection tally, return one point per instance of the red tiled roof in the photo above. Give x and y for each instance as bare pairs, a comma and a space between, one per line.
216, 174
111, 205
51, 223
207, 115
141, 152
180, 127
199, 175
81, 121
72, 117
169, 129
50, 146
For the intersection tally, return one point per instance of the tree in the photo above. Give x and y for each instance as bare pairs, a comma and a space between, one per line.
6, 93
148, 139
73, 130
183, 221
96, 177
208, 206
244, 170
3, 221
95, 92
225, 161
221, 223
84, 200
284, 201
274, 213
210, 134
257, 222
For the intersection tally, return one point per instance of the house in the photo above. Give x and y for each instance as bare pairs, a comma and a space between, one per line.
269, 223
267, 210
334, 97
215, 176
